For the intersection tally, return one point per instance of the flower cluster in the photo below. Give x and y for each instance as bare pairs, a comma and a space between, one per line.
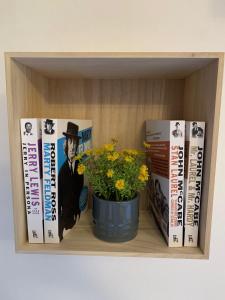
113, 156
81, 168
143, 175
114, 175
129, 158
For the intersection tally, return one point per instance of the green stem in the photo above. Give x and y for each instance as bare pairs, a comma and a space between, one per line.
117, 196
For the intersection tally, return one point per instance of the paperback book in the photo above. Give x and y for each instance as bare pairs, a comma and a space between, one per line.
31, 152
64, 193
165, 159
194, 150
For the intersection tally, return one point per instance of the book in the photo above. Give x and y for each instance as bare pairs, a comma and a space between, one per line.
165, 160
194, 151
64, 193
32, 170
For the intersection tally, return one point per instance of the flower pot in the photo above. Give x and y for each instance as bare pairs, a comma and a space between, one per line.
115, 221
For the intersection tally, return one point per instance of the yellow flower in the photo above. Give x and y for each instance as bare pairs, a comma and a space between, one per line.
130, 152
120, 184
78, 156
109, 147
110, 173
134, 152
143, 170
88, 152
147, 145
127, 151
80, 169
110, 157
98, 151
129, 158
116, 155
142, 177
113, 156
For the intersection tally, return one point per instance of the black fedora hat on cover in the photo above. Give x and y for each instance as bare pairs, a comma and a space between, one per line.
72, 130
49, 121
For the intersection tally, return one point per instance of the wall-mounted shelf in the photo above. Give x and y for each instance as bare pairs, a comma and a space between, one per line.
118, 91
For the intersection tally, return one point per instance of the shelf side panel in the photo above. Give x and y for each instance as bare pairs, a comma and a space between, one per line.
26, 91
202, 103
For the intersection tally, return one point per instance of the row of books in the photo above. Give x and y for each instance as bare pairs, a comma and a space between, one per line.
55, 194
175, 160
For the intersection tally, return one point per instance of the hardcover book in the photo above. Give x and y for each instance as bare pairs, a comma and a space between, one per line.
64, 193
194, 150
31, 152
165, 159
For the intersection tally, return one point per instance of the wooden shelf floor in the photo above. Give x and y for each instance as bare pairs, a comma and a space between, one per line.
81, 241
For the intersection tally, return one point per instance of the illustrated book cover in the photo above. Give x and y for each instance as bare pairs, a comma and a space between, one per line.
63, 187
165, 159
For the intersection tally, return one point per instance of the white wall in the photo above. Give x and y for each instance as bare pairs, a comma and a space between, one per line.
101, 25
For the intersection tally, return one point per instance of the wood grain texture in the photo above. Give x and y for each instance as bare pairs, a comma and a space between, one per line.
118, 107
114, 54
202, 99
81, 241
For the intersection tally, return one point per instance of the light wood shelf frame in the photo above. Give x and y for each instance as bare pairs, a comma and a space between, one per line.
118, 91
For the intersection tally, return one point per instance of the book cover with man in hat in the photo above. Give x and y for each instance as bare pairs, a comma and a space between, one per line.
63, 187
165, 158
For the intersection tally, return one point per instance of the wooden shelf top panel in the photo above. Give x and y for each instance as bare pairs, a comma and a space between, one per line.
115, 65
111, 68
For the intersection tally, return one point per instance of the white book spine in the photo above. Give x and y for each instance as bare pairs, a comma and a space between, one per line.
31, 148
50, 182
176, 183
193, 180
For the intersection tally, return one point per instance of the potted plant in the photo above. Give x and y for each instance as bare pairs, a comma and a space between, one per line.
116, 177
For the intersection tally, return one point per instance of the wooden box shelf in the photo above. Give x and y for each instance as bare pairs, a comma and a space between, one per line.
118, 91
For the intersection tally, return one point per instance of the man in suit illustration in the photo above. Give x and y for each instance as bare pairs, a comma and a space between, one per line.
28, 128
70, 183
196, 130
177, 132
49, 126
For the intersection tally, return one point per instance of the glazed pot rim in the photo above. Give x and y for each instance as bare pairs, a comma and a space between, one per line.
114, 201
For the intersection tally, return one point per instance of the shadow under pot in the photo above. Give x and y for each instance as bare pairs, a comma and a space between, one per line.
115, 221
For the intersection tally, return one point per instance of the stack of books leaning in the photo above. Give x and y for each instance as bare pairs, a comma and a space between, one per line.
175, 159
55, 192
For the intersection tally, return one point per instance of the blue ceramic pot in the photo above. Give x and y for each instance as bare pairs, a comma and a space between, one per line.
115, 221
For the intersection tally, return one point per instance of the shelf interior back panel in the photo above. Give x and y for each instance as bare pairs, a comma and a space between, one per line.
118, 107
